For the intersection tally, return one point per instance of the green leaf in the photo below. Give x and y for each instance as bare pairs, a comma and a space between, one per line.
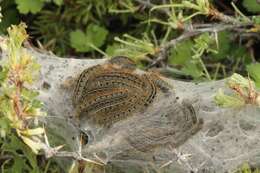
19, 164
252, 5
78, 41
37, 104
240, 52
4, 123
24, 159
254, 72
3, 74
58, 2
26, 6
6, 108
10, 16
224, 43
96, 35
192, 69
111, 49
182, 53
29, 94
240, 81
135, 48
226, 101
31, 71
256, 20
203, 41
4, 126
84, 42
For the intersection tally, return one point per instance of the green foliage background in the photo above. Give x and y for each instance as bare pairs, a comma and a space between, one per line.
107, 28
90, 28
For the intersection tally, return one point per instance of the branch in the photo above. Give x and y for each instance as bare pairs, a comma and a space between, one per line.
150, 5
230, 23
214, 28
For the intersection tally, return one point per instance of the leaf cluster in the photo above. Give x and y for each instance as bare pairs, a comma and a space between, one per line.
140, 29
247, 169
19, 107
244, 92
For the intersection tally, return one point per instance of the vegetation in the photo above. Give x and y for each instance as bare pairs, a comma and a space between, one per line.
197, 40
247, 169
245, 92
20, 131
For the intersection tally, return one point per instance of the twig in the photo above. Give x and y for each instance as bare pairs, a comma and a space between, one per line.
214, 28
76, 156
5, 157
230, 22
224, 18
212, 12
148, 4
181, 159
55, 152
